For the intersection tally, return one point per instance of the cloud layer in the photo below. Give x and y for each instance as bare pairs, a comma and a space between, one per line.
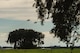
15, 3
3, 38
17, 9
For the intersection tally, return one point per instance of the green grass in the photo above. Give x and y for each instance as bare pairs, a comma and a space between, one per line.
39, 51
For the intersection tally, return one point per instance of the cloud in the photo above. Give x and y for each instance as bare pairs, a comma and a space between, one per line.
18, 15
3, 38
49, 40
17, 9
15, 3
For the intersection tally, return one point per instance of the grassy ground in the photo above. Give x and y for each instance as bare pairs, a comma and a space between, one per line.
40, 51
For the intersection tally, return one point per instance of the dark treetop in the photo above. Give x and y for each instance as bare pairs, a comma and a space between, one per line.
25, 38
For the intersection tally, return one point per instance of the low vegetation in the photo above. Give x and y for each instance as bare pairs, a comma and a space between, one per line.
40, 51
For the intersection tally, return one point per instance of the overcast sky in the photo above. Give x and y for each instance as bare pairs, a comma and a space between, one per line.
13, 15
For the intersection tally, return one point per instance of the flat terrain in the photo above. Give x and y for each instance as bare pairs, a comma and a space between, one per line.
39, 51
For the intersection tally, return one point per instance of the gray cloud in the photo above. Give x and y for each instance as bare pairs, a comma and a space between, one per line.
17, 9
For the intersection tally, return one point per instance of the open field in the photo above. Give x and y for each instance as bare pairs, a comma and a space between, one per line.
39, 51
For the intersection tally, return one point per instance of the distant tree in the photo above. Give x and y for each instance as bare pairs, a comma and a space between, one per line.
25, 38
64, 14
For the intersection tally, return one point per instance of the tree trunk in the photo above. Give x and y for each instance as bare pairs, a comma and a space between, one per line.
67, 44
15, 45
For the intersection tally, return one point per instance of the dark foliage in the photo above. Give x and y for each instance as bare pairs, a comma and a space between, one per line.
64, 14
25, 38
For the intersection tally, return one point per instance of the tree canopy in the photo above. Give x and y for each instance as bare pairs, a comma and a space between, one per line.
25, 38
64, 14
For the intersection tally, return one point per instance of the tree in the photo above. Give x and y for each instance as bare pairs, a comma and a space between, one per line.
65, 16
25, 38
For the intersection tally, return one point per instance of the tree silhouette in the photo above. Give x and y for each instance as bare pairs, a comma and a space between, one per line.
64, 13
25, 38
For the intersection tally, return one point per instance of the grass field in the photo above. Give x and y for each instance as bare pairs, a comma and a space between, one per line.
39, 51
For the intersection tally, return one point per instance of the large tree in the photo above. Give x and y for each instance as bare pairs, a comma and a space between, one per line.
25, 38
64, 14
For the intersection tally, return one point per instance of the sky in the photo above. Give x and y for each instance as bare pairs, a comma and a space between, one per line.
13, 15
